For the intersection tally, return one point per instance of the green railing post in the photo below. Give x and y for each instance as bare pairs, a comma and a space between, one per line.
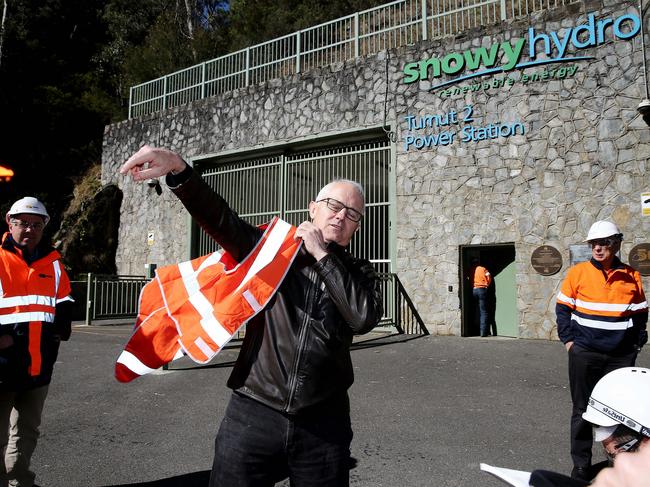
423, 13
247, 77
398, 304
298, 51
130, 102
202, 80
88, 300
356, 35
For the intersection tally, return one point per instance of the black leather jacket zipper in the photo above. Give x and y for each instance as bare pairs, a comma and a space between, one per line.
301, 338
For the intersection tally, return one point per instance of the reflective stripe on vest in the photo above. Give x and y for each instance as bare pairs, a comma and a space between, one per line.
34, 347
603, 300
34, 309
196, 307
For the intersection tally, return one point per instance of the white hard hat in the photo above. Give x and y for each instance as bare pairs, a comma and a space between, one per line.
622, 397
602, 229
29, 205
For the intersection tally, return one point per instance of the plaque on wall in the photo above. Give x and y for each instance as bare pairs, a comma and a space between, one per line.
640, 258
580, 253
546, 260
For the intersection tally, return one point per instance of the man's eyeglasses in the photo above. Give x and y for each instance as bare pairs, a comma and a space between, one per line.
603, 242
630, 445
336, 206
38, 226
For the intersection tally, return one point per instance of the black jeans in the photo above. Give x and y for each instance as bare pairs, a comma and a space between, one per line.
259, 446
586, 368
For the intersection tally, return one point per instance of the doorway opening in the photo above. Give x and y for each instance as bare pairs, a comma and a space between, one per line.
499, 259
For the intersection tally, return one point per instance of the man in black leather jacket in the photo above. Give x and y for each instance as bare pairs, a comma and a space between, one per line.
289, 413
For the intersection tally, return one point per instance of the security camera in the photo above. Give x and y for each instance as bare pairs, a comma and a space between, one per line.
644, 107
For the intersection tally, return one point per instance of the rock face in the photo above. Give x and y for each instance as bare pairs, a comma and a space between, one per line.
561, 146
88, 235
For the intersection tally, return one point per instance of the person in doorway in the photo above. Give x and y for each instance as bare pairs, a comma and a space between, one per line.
35, 315
289, 412
481, 280
601, 315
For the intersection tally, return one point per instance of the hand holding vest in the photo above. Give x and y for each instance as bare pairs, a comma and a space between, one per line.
195, 308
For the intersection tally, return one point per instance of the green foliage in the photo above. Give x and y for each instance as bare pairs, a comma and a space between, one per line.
67, 66
256, 21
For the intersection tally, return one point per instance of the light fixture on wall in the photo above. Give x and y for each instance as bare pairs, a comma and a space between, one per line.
644, 106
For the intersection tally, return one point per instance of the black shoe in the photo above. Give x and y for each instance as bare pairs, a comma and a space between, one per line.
581, 473
483, 335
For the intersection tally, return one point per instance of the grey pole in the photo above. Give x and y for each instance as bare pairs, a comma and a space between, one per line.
645, 69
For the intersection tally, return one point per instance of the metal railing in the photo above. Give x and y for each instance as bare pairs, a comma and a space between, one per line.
112, 296
399, 310
117, 297
394, 24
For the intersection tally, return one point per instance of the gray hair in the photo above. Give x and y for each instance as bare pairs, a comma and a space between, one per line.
325, 189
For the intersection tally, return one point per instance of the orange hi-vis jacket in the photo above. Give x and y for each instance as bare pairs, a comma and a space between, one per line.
481, 277
29, 295
197, 306
602, 310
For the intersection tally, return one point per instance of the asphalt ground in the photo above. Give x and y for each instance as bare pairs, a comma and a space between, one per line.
425, 411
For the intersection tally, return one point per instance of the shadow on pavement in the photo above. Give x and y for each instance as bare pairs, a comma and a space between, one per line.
196, 479
219, 365
384, 340
357, 345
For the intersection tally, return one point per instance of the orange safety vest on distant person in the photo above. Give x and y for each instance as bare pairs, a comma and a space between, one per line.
197, 306
29, 293
481, 277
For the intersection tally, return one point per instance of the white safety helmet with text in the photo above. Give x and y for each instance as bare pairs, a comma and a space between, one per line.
603, 229
621, 397
29, 205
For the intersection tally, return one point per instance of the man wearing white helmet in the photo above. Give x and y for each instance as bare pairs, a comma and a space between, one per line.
619, 411
35, 308
601, 319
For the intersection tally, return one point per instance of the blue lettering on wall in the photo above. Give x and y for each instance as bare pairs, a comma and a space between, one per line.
421, 130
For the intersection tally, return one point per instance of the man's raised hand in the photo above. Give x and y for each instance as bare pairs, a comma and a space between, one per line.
152, 162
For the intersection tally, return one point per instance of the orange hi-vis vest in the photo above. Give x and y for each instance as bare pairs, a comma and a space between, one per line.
481, 277
29, 294
197, 306
603, 301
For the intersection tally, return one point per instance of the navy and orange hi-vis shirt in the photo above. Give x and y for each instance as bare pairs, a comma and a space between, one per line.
604, 311
35, 307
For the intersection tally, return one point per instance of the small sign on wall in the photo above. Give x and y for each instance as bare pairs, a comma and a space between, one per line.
150, 238
580, 253
645, 204
640, 258
546, 260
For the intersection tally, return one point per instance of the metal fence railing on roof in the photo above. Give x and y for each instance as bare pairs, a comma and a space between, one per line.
391, 25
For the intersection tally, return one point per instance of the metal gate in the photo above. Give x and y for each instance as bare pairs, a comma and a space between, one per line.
283, 184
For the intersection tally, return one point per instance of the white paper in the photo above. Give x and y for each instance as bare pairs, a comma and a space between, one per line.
518, 478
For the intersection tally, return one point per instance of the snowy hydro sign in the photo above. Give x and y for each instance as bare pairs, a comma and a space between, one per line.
507, 56
535, 49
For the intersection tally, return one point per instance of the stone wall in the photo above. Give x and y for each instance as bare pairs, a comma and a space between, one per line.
584, 156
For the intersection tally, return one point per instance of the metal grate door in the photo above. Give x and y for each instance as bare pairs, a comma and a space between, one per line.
284, 184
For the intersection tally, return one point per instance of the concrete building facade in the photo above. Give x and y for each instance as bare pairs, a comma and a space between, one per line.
507, 143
